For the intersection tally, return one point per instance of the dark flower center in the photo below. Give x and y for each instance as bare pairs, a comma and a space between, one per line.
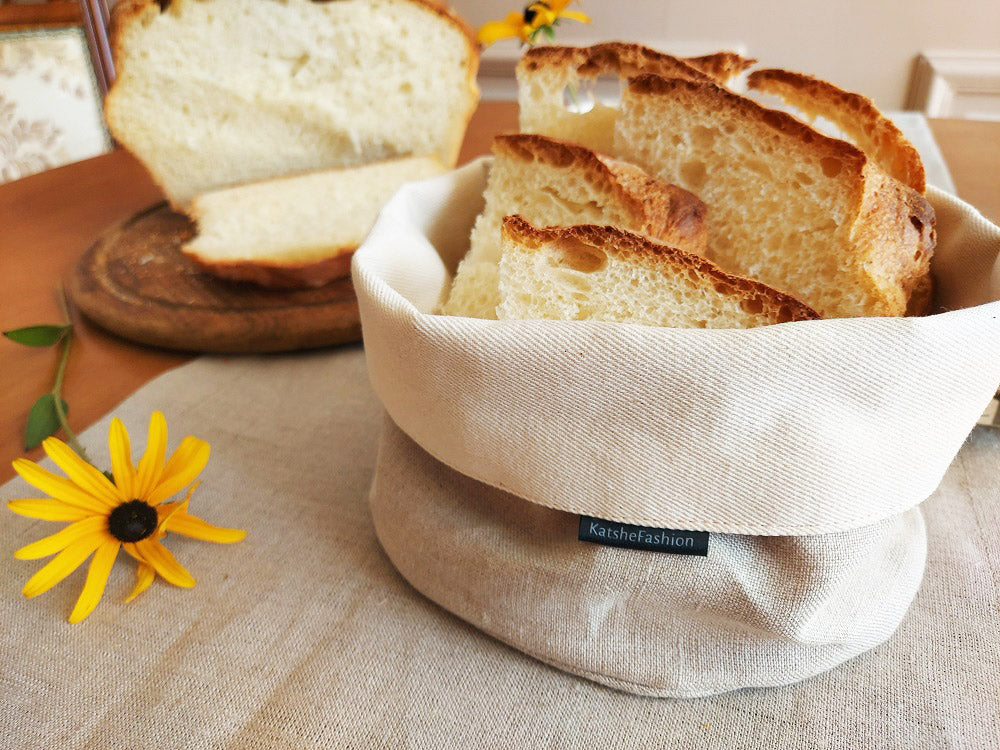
132, 521
530, 12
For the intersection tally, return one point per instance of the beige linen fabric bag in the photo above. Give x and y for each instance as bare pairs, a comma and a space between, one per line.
805, 448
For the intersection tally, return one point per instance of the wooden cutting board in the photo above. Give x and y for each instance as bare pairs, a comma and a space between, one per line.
135, 282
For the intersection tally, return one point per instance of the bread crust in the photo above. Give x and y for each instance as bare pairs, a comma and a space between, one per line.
635, 248
664, 211
856, 115
621, 58
721, 66
275, 275
124, 12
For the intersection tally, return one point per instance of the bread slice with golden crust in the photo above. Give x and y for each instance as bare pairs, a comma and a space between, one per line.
807, 214
552, 182
297, 231
604, 273
854, 114
213, 93
544, 74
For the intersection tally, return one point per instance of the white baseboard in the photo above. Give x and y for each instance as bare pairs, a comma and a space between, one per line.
957, 84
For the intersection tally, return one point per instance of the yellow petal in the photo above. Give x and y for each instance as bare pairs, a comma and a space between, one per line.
494, 31
82, 474
97, 579
188, 525
62, 565
165, 512
59, 488
574, 15
121, 458
144, 576
182, 468
47, 509
50, 545
151, 464
164, 563
543, 16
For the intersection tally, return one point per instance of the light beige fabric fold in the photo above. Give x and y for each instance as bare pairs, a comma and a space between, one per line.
802, 428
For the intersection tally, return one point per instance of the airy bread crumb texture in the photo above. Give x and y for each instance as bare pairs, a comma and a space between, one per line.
807, 214
553, 183
290, 231
212, 93
603, 273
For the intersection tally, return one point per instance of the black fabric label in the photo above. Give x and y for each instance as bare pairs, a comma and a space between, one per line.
614, 534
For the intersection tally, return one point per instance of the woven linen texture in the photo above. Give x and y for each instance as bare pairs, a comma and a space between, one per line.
759, 611
304, 636
802, 428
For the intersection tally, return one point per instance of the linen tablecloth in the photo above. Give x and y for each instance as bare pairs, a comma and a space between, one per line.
304, 636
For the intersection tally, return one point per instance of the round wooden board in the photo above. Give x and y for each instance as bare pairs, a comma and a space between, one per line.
135, 282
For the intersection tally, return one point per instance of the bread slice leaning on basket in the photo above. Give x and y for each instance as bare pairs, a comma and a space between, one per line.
604, 273
811, 215
213, 93
551, 182
843, 227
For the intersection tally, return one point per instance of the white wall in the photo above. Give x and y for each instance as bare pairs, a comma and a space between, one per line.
867, 46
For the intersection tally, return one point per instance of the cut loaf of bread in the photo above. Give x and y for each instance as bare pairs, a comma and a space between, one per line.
808, 214
212, 93
604, 273
548, 75
551, 183
296, 231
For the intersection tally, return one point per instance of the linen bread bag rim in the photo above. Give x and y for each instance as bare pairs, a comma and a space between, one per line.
796, 429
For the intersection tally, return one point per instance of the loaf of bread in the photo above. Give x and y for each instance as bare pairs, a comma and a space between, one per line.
808, 214
213, 93
604, 273
551, 182
548, 75
296, 231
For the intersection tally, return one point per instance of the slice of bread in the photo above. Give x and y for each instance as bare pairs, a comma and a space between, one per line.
805, 213
552, 182
604, 273
212, 93
546, 74
855, 115
296, 231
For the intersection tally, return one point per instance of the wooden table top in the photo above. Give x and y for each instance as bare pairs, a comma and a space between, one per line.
49, 219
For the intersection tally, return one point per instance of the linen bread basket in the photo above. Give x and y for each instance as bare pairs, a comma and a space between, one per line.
804, 449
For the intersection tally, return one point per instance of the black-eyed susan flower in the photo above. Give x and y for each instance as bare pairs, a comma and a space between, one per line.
128, 513
538, 17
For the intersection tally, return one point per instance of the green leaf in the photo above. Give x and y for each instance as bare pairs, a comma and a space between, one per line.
549, 32
42, 421
37, 335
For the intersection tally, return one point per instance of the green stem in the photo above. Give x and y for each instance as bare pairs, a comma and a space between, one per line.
67, 339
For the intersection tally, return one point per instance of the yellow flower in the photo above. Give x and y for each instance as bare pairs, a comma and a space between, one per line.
537, 17
129, 513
